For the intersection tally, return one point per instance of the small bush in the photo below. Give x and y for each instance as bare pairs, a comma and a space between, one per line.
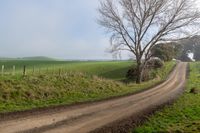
194, 91
147, 73
155, 63
132, 74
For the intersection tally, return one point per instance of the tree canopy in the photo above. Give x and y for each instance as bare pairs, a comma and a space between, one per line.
138, 25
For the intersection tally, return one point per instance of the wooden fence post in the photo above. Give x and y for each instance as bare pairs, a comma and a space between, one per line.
39, 70
13, 73
59, 71
24, 71
33, 70
2, 70
47, 70
53, 71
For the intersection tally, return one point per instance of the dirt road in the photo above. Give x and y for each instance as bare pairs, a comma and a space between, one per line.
88, 117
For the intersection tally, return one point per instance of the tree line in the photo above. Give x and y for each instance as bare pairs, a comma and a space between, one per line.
178, 50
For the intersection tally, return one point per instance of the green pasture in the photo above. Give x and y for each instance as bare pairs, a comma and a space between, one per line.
79, 82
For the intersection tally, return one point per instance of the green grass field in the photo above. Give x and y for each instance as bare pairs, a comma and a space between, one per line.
107, 69
183, 116
79, 82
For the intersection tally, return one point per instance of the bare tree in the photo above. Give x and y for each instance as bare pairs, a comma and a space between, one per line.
138, 25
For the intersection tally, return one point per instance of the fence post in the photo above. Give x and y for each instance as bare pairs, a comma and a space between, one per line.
47, 70
2, 70
13, 70
33, 70
53, 71
24, 71
59, 71
39, 70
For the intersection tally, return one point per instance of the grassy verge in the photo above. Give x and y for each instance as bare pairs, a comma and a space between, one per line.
22, 93
183, 115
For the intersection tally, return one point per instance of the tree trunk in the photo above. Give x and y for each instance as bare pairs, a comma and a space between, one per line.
139, 73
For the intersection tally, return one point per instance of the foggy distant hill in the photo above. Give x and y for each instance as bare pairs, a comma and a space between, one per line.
34, 58
39, 58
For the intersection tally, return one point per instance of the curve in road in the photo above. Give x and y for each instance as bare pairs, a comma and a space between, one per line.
88, 117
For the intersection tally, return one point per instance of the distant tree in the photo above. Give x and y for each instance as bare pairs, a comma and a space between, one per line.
185, 57
163, 51
138, 25
178, 50
197, 53
167, 51
189, 45
196, 49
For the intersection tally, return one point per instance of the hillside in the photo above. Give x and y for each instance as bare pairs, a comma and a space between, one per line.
34, 58
38, 58
91, 81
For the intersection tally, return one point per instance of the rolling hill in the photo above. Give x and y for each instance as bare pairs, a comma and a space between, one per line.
35, 58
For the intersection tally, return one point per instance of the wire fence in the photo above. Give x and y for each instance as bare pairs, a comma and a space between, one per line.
31, 70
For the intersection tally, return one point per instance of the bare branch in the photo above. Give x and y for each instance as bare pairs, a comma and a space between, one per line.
138, 25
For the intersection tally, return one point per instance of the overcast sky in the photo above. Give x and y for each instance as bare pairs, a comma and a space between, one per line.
57, 28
